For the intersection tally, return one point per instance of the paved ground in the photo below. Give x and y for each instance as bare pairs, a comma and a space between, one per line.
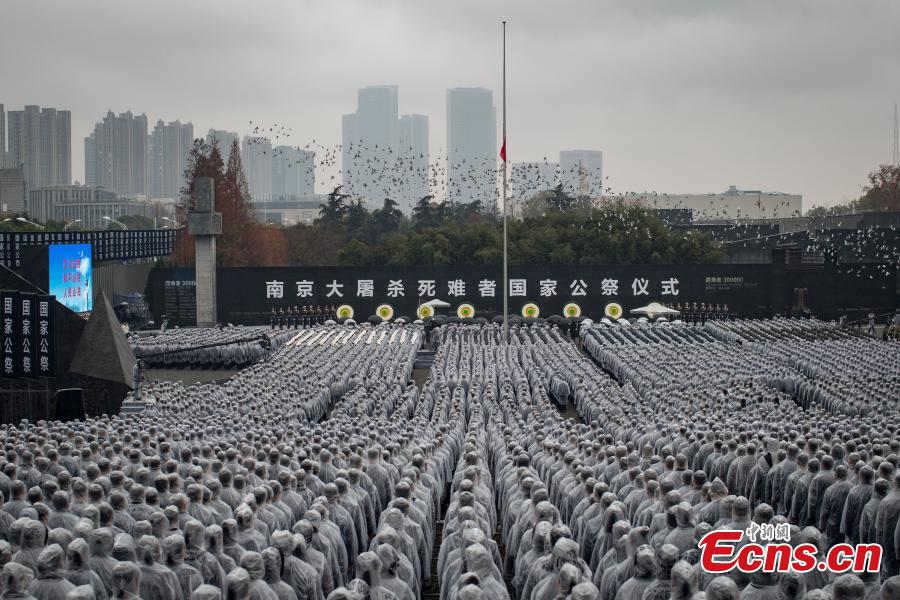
419, 376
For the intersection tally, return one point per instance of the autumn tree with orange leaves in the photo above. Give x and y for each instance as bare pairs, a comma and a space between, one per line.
244, 241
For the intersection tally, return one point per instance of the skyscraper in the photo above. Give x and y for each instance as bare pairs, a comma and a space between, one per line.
529, 178
256, 154
581, 171
225, 139
40, 141
2, 137
293, 172
371, 143
412, 166
472, 146
170, 146
116, 154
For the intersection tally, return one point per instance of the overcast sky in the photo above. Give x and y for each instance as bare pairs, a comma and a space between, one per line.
681, 96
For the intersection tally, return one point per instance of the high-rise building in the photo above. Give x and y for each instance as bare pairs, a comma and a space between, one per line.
116, 154
12, 190
225, 139
472, 147
293, 172
581, 172
529, 178
40, 141
256, 154
412, 166
170, 146
2, 137
371, 138
350, 153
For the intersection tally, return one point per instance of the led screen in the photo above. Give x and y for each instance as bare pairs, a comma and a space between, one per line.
71, 276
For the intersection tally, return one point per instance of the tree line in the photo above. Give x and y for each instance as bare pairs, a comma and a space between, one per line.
881, 193
554, 229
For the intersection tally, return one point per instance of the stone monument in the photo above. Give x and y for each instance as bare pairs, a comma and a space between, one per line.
204, 223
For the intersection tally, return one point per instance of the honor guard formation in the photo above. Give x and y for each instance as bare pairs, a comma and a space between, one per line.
322, 471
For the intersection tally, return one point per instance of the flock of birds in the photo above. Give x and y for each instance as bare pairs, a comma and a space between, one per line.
407, 175
388, 172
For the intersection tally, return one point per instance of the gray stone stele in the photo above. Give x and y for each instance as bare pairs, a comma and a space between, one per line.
103, 351
205, 224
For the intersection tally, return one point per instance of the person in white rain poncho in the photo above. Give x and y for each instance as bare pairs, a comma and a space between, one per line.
323, 471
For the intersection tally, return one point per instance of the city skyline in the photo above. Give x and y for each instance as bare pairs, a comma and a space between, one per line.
116, 154
40, 142
761, 111
170, 146
120, 155
158, 159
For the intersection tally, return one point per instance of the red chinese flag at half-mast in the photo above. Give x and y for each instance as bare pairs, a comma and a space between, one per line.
503, 150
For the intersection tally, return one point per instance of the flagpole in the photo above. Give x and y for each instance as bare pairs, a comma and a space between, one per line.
505, 207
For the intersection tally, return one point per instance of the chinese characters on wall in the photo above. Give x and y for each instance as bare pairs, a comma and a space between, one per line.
457, 288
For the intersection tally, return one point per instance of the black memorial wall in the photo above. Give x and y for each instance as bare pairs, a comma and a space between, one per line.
248, 295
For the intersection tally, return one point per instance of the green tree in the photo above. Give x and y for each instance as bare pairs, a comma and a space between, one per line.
388, 219
9, 222
837, 210
559, 200
424, 214
136, 221
313, 245
356, 219
332, 211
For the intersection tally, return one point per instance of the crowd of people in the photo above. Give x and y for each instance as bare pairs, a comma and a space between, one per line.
224, 347
324, 472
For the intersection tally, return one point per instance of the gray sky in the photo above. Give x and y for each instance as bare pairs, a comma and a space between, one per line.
681, 96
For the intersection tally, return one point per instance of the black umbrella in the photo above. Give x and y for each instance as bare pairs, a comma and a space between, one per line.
497, 319
481, 320
375, 320
554, 319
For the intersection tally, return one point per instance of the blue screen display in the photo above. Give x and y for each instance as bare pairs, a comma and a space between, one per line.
71, 275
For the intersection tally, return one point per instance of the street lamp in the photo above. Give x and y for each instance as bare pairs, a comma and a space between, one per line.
24, 220
119, 223
66, 228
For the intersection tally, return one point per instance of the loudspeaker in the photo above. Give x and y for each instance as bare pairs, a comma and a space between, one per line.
68, 405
